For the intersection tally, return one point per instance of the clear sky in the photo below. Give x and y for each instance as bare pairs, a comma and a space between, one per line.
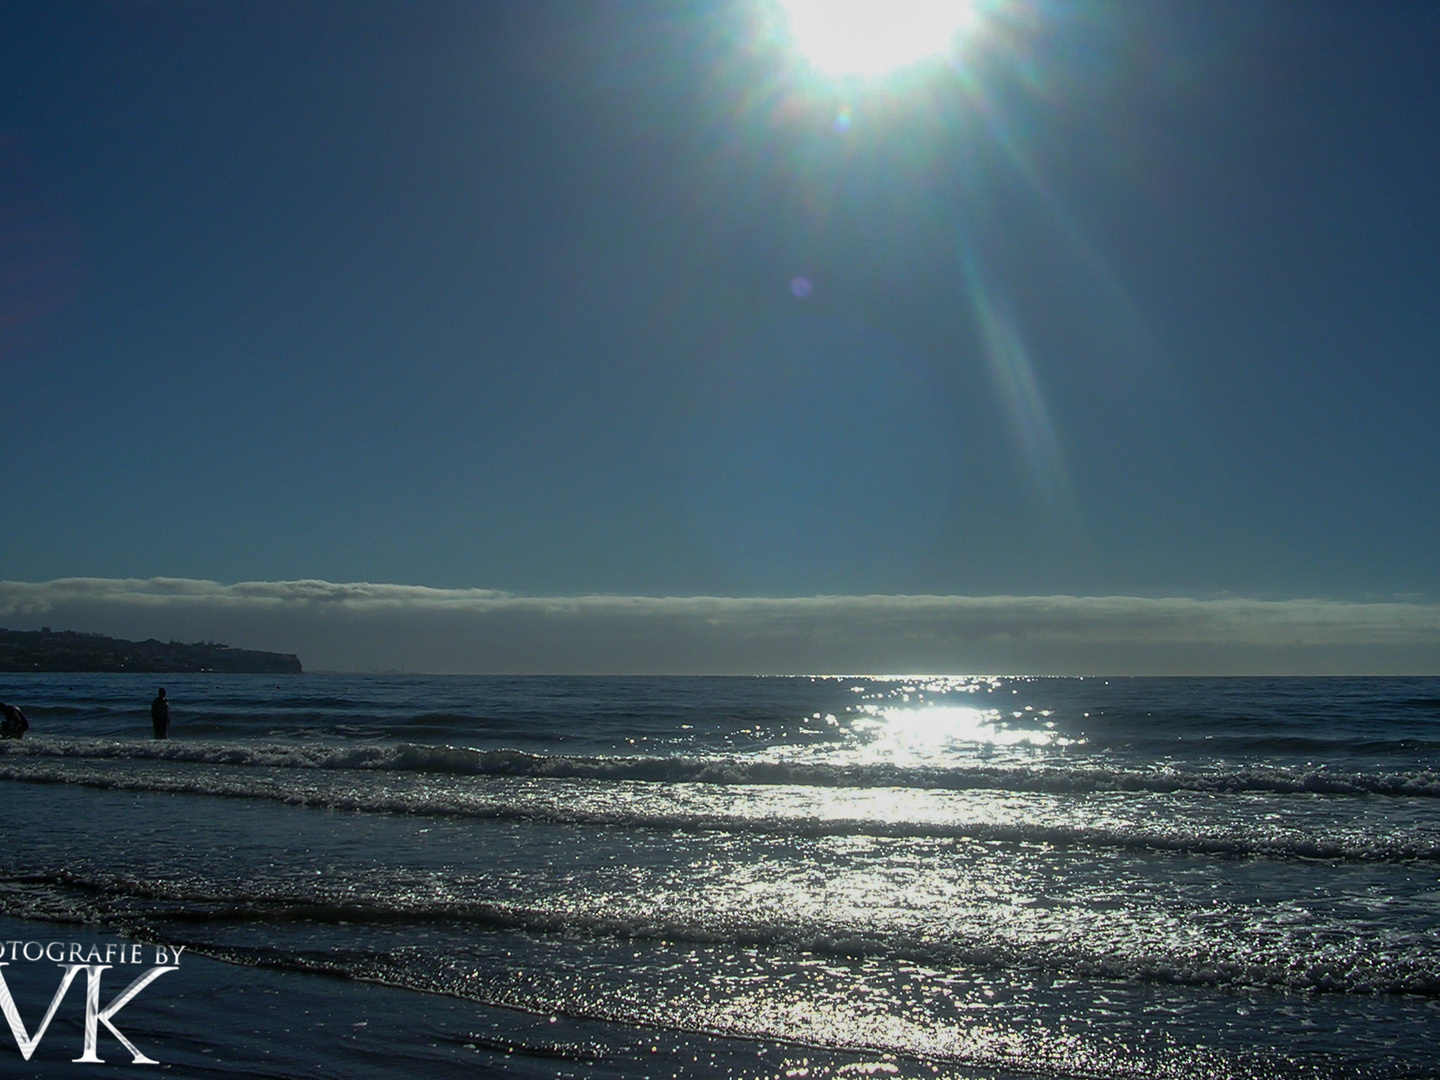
639, 300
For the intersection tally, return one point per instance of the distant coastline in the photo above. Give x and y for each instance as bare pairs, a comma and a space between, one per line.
66, 650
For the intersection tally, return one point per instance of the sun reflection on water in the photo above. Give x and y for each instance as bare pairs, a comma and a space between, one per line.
926, 732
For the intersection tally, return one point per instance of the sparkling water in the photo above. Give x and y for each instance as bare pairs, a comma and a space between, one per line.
757, 876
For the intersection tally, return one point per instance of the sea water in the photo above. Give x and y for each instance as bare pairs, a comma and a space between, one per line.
738, 876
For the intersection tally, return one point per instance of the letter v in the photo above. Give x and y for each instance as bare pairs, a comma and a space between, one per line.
12, 1014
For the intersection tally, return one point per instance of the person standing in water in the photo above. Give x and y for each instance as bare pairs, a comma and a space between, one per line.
13, 722
160, 714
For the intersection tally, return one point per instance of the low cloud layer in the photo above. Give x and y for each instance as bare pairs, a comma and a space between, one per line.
364, 627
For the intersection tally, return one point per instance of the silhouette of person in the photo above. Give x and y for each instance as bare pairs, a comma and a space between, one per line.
160, 714
13, 722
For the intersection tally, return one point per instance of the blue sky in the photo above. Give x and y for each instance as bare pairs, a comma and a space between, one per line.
1116, 300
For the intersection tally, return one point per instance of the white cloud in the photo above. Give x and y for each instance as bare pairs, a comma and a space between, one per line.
361, 626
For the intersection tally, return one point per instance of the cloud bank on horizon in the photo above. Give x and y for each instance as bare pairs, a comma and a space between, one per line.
377, 627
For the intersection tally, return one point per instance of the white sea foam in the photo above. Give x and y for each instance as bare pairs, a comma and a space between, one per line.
1042, 776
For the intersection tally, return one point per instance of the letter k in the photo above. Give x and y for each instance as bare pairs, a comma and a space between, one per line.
94, 1013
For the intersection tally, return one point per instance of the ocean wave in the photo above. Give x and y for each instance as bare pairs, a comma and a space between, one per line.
1178, 839
1041, 777
144, 908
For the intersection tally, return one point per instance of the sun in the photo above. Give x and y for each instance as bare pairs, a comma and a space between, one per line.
867, 38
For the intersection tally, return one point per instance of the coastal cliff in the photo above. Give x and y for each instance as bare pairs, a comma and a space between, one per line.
65, 650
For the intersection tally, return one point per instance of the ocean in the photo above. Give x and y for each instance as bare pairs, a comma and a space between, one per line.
374, 876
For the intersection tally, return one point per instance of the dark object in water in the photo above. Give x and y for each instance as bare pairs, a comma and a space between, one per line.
13, 722
160, 714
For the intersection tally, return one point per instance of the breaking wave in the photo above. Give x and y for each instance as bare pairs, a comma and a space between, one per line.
64, 896
1047, 776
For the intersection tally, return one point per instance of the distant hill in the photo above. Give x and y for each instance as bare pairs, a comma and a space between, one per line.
65, 650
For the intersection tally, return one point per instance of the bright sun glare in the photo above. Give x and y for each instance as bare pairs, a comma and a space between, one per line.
871, 37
